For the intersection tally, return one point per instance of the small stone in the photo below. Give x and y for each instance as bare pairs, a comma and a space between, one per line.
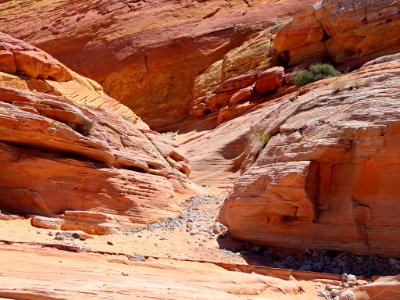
59, 237
329, 287
136, 257
86, 249
347, 295
351, 280
50, 233
76, 235
38, 232
110, 243
335, 292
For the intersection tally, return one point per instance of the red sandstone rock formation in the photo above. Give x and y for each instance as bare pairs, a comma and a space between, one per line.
385, 288
344, 31
325, 174
146, 54
95, 169
66, 275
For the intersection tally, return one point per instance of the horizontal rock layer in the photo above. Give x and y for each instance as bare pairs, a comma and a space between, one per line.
323, 173
97, 170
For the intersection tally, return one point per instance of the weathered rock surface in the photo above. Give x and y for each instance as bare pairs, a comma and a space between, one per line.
146, 54
344, 31
325, 174
96, 170
385, 288
92, 276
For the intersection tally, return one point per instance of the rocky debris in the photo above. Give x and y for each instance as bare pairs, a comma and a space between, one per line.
137, 257
330, 153
344, 31
319, 261
193, 217
89, 168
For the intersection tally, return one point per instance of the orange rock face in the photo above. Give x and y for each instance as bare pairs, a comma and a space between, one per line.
146, 54
342, 30
93, 168
66, 275
385, 288
323, 173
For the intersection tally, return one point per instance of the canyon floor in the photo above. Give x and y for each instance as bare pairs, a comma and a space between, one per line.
182, 258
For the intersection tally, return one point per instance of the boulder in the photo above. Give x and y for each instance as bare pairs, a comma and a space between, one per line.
269, 80
240, 95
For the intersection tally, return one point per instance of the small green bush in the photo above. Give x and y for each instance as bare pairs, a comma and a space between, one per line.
86, 127
314, 73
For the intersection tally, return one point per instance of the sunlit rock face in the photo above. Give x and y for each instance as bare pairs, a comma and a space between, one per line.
326, 176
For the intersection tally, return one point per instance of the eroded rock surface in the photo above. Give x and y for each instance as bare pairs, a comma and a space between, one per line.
325, 174
344, 31
146, 54
92, 276
95, 169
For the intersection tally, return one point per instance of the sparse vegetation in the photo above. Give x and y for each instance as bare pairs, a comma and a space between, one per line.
259, 140
314, 73
86, 127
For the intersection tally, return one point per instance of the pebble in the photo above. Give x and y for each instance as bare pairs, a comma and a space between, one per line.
347, 295
86, 249
110, 243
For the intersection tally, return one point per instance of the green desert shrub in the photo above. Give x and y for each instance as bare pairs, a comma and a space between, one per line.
314, 73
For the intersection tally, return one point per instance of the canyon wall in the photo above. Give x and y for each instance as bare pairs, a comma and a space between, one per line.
341, 31
325, 175
96, 169
145, 54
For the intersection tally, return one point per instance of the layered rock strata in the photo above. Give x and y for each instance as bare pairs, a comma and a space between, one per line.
323, 173
343, 31
95, 169
146, 54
